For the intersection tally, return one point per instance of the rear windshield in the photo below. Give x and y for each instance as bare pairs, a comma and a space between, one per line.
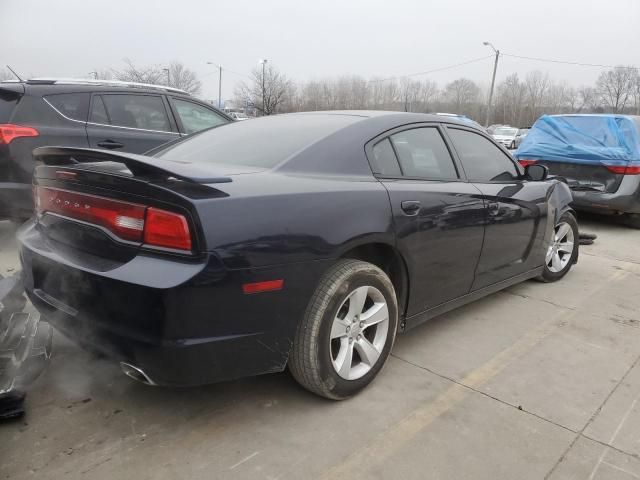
8, 102
262, 142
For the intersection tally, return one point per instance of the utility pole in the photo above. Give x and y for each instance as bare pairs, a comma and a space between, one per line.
263, 62
219, 82
493, 82
220, 86
168, 77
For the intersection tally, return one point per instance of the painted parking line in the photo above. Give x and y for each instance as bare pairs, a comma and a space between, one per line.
387, 443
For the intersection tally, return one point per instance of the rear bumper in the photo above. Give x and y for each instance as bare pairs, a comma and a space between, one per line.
181, 324
625, 200
16, 200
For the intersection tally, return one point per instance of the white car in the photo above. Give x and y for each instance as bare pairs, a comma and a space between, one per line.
506, 136
238, 116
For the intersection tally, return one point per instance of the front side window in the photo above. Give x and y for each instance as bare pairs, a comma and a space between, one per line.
137, 111
423, 153
195, 117
71, 105
482, 160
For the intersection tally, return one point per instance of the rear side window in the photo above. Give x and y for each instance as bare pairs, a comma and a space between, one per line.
384, 161
423, 153
195, 117
482, 160
72, 105
145, 112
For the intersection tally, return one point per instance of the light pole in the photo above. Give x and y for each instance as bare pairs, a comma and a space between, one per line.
168, 76
493, 81
219, 82
263, 62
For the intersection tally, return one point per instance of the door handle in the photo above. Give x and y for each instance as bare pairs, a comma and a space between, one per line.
410, 207
110, 144
494, 208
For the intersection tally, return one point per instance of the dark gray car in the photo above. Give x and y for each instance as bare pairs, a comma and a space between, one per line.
598, 156
119, 116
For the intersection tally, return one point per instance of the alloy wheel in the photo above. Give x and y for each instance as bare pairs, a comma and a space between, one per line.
561, 249
359, 332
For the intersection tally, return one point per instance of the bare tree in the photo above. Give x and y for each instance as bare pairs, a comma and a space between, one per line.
5, 74
588, 99
175, 75
428, 94
183, 78
409, 94
268, 96
616, 87
461, 93
536, 85
510, 95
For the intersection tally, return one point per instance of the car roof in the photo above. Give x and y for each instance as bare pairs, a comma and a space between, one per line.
44, 86
406, 117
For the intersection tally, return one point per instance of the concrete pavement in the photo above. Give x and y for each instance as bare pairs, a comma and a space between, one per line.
538, 381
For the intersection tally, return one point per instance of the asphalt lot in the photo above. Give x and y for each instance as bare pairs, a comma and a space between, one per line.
539, 381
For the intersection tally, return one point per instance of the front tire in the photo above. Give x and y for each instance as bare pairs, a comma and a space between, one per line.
562, 253
347, 332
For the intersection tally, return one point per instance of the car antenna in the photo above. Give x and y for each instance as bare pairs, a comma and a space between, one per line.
13, 71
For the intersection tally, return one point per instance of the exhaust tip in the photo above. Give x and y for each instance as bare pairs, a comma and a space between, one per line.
136, 373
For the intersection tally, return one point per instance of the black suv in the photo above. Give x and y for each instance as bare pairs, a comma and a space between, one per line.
113, 115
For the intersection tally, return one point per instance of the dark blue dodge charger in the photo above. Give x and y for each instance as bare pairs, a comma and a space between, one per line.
304, 240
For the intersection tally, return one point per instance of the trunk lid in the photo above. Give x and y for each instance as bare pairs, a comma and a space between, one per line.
100, 209
585, 176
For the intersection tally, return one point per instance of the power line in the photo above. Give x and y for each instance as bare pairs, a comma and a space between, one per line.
567, 62
448, 67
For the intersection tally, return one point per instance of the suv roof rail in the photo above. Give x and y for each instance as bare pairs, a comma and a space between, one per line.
114, 83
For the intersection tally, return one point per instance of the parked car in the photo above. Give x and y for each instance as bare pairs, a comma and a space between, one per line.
306, 240
506, 136
598, 155
113, 115
521, 135
462, 118
239, 116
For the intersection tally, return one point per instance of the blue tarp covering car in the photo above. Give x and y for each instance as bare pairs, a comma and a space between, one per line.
597, 155
582, 139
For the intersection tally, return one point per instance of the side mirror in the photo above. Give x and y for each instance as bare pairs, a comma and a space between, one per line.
536, 173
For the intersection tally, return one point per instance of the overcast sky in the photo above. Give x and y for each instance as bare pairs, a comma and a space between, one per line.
315, 39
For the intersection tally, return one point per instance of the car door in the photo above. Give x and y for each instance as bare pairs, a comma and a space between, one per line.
193, 116
438, 216
129, 122
516, 207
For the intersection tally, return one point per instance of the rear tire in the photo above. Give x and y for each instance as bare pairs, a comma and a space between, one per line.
563, 251
632, 220
347, 332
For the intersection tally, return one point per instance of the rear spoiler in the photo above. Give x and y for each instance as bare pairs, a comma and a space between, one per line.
137, 164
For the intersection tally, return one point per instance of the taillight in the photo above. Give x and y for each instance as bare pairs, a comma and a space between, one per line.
166, 229
623, 168
9, 132
526, 163
126, 220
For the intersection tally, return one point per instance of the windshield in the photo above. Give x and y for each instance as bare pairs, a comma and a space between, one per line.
507, 132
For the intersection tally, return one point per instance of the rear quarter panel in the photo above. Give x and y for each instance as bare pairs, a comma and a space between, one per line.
277, 218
